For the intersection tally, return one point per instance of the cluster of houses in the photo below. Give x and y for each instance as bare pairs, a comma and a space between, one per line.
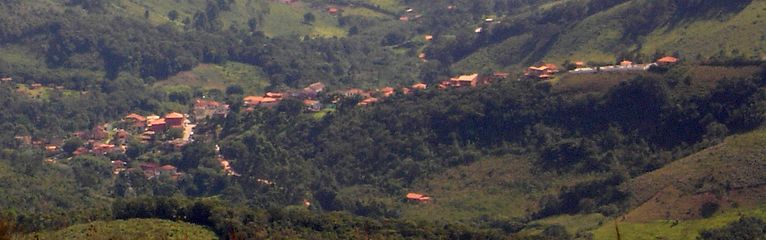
548, 71
308, 95
624, 66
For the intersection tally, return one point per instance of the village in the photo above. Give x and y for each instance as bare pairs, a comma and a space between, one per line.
173, 130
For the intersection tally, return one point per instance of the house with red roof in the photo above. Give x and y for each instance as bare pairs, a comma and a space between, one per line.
368, 101
158, 125
419, 86
668, 60
417, 197
465, 80
175, 119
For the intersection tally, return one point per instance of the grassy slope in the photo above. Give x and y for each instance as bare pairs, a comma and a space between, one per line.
730, 174
129, 229
737, 163
743, 31
275, 19
209, 76
501, 187
684, 230
598, 38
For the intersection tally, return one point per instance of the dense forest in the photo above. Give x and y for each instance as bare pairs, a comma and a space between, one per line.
344, 174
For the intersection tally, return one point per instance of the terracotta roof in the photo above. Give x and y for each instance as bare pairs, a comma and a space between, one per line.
668, 59
420, 86
253, 99
579, 64
429, 37
160, 121
136, 117
414, 195
274, 95
168, 168
309, 102
174, 115
466, 78
626, 63
268, 100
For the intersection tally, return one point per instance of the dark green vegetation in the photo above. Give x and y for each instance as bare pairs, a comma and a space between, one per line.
516, 159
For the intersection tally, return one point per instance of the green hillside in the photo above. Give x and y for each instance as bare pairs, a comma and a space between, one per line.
145, 229
219, 77
730, 174
637, 30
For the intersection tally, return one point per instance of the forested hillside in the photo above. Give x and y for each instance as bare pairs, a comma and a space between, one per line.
382, 119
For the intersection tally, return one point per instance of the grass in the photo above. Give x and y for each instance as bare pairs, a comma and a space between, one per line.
388, 5
573, 223
363, 12
743, 31
501, 187
209, 76
129, 229
684, 230
274, 19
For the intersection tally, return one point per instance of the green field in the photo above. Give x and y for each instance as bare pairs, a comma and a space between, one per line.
683, 230
210, 76
147, 229
274, 19
500, 187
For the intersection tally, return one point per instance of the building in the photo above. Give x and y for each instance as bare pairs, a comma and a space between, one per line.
118, 166
103, 149
209, 109
6, 79
465, 80
253, 100
317, 87
135, 120
368, 101
312, 105
355, 92
626, 63
668, 60
545, 71
387, 91
158, 125
174, 119
417, 197
428, 37
419, 86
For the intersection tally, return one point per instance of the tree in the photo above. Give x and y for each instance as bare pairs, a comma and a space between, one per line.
252, 24
309, 18
72, 144
746, 228
173, 15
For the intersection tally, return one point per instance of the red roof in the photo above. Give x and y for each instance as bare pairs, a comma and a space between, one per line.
174, 115
667, 59
626, 63
160, 121
274, 95
136, 117
420, 86
309, 102
414, 195
168, 168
